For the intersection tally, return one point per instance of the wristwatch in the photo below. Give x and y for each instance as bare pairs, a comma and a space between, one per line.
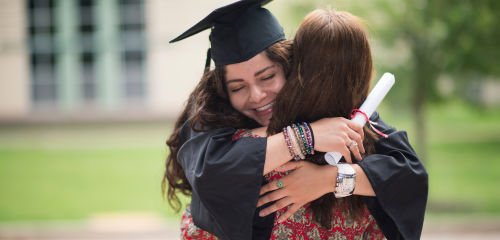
346, 180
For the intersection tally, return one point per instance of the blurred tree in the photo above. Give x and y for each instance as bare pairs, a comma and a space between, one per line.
456, 38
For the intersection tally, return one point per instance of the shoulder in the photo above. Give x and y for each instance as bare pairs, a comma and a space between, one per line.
187, 133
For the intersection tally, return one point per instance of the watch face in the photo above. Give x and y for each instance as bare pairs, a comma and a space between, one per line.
347, 185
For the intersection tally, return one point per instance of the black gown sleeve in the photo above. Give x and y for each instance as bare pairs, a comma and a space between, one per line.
226, 178
400, 183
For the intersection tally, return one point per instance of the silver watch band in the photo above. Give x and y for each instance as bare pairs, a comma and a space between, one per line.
346, 180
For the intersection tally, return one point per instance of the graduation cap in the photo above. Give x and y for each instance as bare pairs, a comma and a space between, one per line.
240, 31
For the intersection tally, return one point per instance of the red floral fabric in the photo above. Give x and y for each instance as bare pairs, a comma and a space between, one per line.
190, 231
300, 225
244, 133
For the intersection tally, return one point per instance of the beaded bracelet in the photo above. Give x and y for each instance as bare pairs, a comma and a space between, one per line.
295, 145
299, 139
304, 140
310, 137
289, 144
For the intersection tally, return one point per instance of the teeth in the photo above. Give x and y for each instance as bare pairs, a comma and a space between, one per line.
265, 107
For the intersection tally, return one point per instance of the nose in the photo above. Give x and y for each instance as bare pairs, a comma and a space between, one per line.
257, 94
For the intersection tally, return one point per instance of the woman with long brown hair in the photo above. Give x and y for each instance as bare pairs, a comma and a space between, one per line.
198, 156
330, 76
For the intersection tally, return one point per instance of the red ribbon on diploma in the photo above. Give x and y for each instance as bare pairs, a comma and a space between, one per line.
353, 114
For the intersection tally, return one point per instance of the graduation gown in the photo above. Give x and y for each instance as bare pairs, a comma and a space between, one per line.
227, 175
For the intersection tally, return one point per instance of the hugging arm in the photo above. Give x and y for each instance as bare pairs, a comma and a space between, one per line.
395, 175
306, 183
224, 175
400, 182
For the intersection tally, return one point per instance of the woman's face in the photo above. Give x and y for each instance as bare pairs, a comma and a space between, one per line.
253, 86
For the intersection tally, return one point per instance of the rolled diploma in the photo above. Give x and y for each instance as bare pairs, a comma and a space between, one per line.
371, 103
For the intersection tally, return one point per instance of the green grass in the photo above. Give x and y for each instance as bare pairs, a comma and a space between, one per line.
73, 171
463, 155
59, 184
464, 177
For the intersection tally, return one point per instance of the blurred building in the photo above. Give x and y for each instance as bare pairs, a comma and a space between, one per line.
92, 60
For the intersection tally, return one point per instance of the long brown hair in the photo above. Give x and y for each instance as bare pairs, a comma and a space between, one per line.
208, 107
330, 76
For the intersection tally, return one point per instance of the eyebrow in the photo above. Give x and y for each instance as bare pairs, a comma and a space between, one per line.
263, 70
256, 74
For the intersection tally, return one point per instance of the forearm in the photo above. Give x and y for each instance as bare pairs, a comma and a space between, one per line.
277, 153
332, 134
307, 183
363, 186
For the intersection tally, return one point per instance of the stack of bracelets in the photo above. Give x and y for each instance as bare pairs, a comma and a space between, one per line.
299, 139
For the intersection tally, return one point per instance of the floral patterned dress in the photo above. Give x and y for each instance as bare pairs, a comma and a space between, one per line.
300, 225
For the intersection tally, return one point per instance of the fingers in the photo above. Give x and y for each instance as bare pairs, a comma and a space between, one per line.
268, 187
291, 210
355, 152
272, 196
357, 128
276, 206
292, 165
347, 154
354, 136
357, 134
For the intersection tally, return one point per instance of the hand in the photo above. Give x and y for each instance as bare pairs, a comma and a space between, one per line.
307, 183
335, 134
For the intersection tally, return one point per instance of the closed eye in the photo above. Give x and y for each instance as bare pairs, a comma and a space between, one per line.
267, 78
235, 90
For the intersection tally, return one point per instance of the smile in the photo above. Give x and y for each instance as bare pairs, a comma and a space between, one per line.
265, 107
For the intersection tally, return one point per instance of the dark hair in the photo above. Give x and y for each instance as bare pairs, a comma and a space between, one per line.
331, 73
208, 107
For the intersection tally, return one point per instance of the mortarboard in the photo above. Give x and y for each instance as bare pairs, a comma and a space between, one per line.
240, 31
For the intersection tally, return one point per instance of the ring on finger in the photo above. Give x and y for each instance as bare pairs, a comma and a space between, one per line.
353, 144
280, 184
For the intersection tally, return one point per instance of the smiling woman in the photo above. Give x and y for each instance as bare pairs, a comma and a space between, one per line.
253, 86
252, 59
223, 171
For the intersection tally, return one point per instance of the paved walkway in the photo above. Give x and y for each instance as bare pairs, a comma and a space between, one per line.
159, 229
458, 227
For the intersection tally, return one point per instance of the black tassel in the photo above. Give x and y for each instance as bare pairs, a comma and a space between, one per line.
209, 59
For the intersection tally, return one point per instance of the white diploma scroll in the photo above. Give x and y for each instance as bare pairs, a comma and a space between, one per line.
371, 103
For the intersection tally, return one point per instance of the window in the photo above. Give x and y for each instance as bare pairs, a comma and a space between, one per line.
42, 52
86, 13
133, 52
73, 56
